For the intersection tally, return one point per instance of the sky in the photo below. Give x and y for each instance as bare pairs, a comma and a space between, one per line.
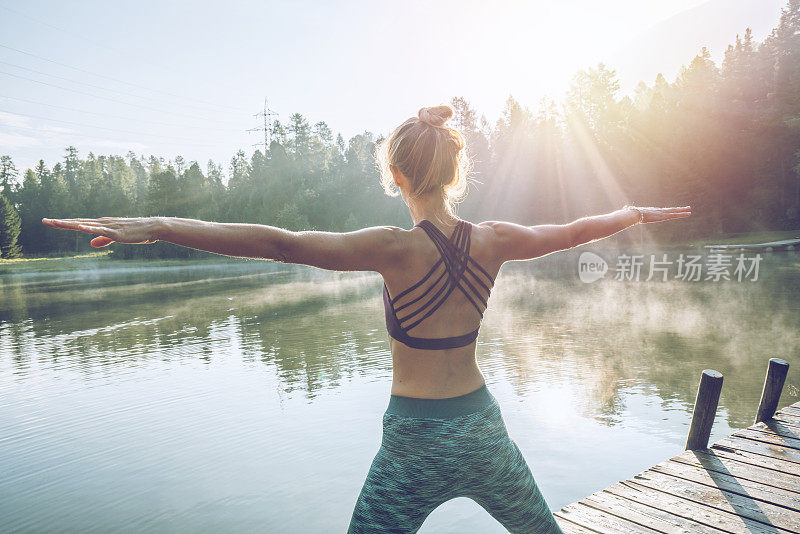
187, 78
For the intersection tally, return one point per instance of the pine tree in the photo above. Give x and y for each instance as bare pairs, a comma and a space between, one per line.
298, 127
466, 118
9, 230
8, 175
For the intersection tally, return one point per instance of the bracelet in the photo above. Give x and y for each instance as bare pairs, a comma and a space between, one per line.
637, 210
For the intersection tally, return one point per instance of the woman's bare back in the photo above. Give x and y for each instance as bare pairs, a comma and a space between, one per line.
449, 372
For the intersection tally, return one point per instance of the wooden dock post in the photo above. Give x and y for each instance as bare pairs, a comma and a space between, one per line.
746, 483
705, 408
773, 385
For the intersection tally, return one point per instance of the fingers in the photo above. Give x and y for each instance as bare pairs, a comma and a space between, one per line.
672, 213
91, 229
70, 223
103, 240
671, 210
684, 208
90, 226
87, 219
62, 223
653, 215
84, 228
669, 216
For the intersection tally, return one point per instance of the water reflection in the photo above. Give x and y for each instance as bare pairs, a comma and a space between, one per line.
315, 327
121, 386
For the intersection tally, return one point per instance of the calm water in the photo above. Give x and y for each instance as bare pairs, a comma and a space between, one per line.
247, 396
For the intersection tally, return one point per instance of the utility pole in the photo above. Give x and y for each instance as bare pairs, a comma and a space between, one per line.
266, 113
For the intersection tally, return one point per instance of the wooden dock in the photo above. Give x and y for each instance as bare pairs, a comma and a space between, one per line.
748, 482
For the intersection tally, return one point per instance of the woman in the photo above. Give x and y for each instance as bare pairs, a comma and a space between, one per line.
443, 433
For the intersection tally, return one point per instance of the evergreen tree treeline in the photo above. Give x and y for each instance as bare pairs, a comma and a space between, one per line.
9, 230
723, 139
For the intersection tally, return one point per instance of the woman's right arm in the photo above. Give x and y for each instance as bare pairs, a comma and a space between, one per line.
517, 242
379, 248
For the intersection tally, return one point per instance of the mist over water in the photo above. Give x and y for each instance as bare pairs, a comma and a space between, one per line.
236, 396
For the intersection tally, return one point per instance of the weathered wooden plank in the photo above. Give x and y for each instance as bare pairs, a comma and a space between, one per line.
791, 409
791, 415
748, 483
788, 420
759, 447
655, 518
572, 528
784, 432
767, 438
781, 428
699, 501
747, 488
784, 411
600, 521
767, 462
710, 462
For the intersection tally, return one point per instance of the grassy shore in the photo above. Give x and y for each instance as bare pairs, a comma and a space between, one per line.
94, 260
52, 262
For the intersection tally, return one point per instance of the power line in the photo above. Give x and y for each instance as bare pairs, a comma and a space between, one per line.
111, 99
48, 130
89, 126
205, 128
126, 93
73, 34
266, 113
117, 80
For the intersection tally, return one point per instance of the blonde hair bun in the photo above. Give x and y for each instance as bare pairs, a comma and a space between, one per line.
429, 153
435, 116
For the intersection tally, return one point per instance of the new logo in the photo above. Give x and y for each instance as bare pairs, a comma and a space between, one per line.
591, 267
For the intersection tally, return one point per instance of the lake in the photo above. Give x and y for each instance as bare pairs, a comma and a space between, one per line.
246, 396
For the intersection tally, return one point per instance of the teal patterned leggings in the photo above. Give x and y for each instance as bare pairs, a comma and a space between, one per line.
434, 450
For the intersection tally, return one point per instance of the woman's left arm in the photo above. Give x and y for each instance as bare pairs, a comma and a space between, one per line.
369, 249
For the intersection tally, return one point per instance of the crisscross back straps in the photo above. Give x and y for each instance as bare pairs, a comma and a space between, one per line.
458, 274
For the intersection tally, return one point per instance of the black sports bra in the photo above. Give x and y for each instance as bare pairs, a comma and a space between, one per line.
458, 273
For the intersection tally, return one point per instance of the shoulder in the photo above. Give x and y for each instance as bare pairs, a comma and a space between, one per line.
386, 240
500, 233
390, 239
507, 240
389, 243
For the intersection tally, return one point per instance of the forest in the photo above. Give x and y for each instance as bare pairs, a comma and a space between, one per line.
724, 139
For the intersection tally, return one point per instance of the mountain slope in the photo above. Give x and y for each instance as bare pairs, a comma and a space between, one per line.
673, 42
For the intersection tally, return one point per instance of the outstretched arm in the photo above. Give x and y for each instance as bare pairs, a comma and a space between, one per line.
517, 242
369, 249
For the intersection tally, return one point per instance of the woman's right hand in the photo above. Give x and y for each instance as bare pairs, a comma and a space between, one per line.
138, 230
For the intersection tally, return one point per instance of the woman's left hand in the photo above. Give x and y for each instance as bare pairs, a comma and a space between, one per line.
137, 230
651, 215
